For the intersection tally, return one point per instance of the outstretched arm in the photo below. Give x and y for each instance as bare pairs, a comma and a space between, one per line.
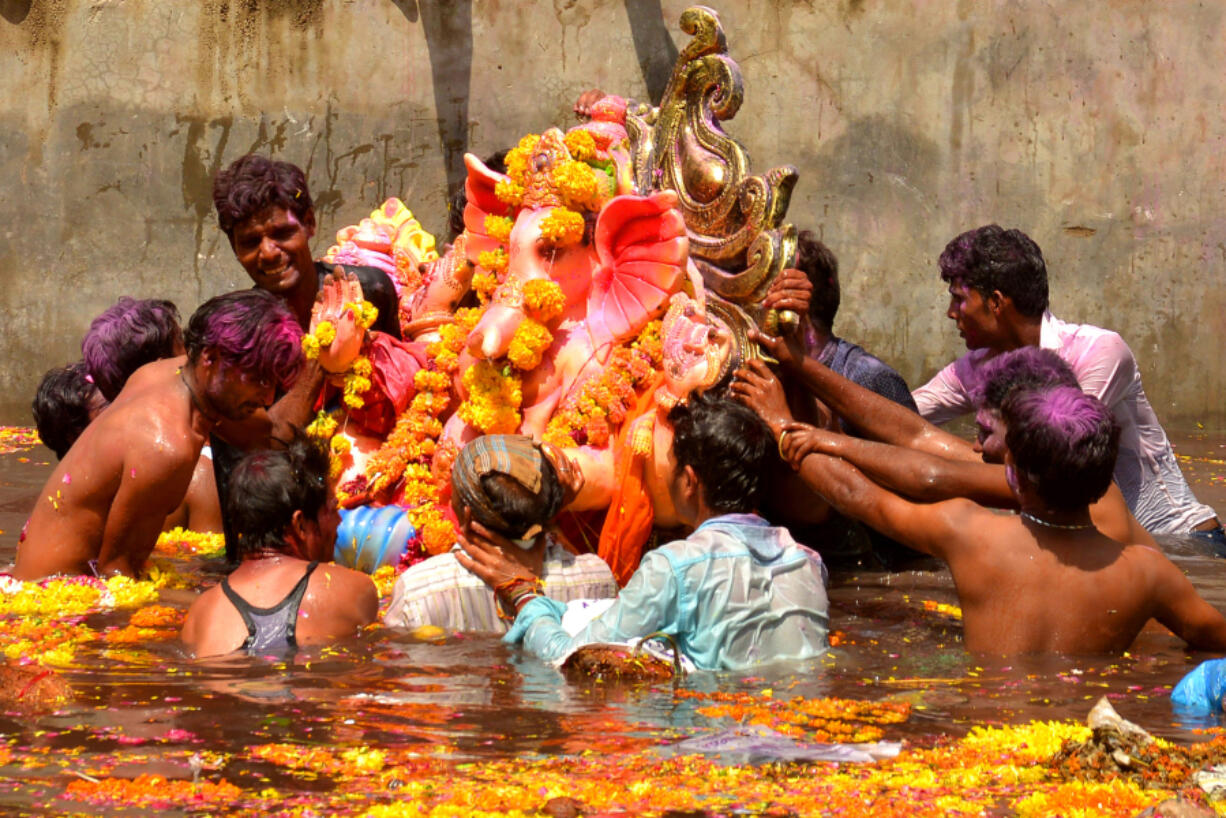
1183, 610
936, 528
878, 417
916, 474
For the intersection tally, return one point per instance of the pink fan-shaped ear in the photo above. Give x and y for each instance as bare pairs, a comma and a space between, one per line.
482, 201
641, 249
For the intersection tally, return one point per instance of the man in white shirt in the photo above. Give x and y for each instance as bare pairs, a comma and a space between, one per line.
998, 299
515, 487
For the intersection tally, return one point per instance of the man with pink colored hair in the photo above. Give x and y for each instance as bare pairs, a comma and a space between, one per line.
999, 300
103, 506
1046, 580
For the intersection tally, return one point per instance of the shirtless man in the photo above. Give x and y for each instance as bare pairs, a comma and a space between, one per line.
911, 455
1046, 581
103, 506
286, 592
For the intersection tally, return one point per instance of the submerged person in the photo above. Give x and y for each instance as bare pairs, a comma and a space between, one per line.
64, 404
285, 592
735, 593
911, 455
514, 488
120, 341
998, 299
103, 506
1046, 581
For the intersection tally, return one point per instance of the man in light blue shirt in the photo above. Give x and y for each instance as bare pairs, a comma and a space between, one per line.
735, 593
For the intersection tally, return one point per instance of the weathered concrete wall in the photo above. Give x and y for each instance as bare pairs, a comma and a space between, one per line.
1096, 128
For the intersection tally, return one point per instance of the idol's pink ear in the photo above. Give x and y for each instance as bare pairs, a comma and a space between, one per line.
641, 251
482, 201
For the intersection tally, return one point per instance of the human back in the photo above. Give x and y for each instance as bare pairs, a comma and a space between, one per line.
147, 431
283, 594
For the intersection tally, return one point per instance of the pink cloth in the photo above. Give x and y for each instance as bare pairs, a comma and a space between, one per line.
394, 363
1146, 470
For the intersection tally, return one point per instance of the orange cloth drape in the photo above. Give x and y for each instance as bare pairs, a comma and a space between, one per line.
627, 525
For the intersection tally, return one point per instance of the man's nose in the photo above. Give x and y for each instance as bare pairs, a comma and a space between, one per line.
269, 250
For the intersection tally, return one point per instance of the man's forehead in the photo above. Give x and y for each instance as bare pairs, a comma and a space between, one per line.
268, 217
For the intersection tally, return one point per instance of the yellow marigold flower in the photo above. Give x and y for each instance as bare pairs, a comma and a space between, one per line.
365, 313
363, 367
528, 344
494, 261
509, 192
310, 347
527, 142
428, 380
322, 427
562, 227
577, 185
544, 298
324, 333
581, 144
340, 444
498, 227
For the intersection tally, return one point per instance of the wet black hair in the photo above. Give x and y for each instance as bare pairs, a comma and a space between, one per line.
990, 258
519, 508
821, 267
61, 406
727, 445
252, 184
496, 162
268, 486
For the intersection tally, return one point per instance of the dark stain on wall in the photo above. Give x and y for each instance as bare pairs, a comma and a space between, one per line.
652, 44
200, 164
15, 11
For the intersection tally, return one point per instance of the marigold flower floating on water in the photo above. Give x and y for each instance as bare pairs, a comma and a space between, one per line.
17, 439
152, 791
181, 542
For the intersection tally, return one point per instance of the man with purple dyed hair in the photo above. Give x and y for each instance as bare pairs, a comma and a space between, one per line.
126, 337
1047, 580
103, 506
999, 300
911, 455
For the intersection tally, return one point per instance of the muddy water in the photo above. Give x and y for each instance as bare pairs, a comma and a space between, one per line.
480, 700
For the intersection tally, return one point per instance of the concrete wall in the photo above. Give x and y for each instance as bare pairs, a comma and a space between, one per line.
1097, 128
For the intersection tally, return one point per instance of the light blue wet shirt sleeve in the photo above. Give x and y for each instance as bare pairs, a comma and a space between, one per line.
647, 604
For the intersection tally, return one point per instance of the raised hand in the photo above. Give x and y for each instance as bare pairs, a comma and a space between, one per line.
799, 440
791, 290
757, 387
495, 560
787, 350
583, 105
337, 304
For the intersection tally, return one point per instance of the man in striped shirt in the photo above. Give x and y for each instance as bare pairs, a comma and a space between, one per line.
514, 487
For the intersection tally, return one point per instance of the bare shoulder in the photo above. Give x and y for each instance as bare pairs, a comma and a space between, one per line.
334, 583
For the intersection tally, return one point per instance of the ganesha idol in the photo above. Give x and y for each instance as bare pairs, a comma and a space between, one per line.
570, 310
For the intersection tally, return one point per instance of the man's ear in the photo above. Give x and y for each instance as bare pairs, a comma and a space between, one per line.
997, 302
308, 221
691, 489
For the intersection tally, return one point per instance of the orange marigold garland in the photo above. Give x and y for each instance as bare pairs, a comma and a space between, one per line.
590, 414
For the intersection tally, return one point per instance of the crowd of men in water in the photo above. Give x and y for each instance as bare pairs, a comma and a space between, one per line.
769, 472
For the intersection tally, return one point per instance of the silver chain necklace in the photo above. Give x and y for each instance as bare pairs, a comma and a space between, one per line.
1034, 519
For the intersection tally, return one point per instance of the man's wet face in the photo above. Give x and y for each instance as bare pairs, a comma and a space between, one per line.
274, 247
990, 441
237, 394
967, 309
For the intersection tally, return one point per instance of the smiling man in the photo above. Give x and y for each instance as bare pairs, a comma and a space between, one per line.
998, 299
102, 508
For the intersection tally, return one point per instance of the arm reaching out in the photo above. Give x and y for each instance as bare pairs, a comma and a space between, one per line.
916, 474
878, 417
1183, 610
934, 528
